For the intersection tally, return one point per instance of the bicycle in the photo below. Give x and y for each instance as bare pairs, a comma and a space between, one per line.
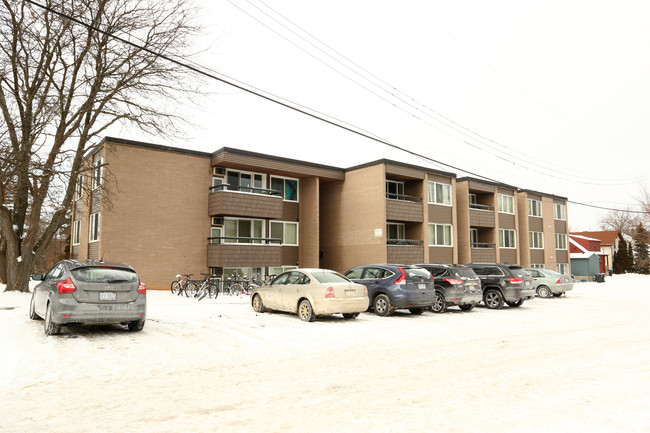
232, 287
178, 286
207, 287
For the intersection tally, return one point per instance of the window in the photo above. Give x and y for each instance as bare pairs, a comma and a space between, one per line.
244, 181
239, 274
285, 231
242, 231
277, 270
562, 268
472, 199
473, 237
534, 208
536, 274
76, 231
216, 182
506, 203
536, 240
94, 227
440, 193
395, 232
440, 235
287, 187
394, 189
560, 241
79, 187
215, 232
559, 211
97, 172
507, 238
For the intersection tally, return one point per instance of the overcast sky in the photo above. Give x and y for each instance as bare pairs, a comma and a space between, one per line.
552, 96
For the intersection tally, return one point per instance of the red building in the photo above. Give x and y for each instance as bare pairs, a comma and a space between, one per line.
584, 244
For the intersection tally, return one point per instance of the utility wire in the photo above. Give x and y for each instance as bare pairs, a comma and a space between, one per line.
284, 104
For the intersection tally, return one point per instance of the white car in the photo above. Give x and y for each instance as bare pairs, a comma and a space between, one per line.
311, 293
549, 283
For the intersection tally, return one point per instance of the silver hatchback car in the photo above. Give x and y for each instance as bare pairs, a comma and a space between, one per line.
79, 293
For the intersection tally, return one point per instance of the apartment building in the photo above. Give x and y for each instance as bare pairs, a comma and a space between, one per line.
166, 211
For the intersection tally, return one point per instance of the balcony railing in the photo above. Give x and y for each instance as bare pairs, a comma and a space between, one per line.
480, 206
482, 245
228, 187
404, 242
403, 197
241, 240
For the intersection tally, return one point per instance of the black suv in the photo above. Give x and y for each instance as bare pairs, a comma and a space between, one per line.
455, 285
503, 282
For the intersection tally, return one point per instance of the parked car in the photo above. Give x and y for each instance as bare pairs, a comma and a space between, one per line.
549, 283
392, 287
503, 283
311, 293
81, 293
455, 285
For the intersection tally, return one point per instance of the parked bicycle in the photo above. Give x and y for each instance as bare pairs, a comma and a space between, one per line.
209, 287
178, 286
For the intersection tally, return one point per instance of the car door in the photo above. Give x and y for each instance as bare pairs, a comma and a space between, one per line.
46, 287
293, 290
271, 293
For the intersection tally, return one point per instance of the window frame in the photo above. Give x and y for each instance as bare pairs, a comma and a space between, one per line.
95, 221
399, 186
562, 268
503, 199
401, 231
534, 208
502, 238
284, 231
76, 232
562, 212
78, 190
432, 198
284, 187
559, 236
535, 238
227, 220
97, 173
448, 235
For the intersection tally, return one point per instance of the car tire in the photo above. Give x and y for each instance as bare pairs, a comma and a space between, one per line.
416, 311
32, 310
544, 292
381, 305
440, 304
493, 299
515, 303
467, 307
350, 315
51, 328
305, 312
136, 326
258, 305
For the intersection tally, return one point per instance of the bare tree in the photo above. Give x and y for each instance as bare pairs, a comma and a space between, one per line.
62, 85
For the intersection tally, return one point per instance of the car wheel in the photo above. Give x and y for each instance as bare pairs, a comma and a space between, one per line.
350, 315
51, 328
466, 307
305, 312
258, 305
136, 326
543, 292
381, 305
493, 299
516, 303
440, 305
416, 311
32, 310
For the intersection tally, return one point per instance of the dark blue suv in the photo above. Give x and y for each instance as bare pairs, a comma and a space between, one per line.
392, 287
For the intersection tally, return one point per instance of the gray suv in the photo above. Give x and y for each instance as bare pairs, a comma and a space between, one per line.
77, 293
503, 283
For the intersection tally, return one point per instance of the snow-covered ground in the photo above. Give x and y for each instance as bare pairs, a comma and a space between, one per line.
576, 363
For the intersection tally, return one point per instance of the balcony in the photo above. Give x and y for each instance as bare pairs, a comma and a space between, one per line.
483, 252
402, 207
481, 215
245, 202
405, 251
227, 251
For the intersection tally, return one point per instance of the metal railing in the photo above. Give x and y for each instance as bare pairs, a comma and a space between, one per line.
243, 240
482, 245
480, 206
404, 242
402, 197
254, 190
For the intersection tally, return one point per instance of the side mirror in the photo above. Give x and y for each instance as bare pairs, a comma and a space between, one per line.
37, 277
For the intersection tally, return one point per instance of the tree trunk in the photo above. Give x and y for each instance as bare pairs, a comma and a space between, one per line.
18, 269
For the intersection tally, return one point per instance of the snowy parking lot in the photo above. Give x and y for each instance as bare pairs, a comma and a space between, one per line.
576, 363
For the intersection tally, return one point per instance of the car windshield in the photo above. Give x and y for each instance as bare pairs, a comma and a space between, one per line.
519, 272
97, 274
329, 277
417, 275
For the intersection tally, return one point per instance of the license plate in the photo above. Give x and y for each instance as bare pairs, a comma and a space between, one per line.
422, 286
107, 296
349, 293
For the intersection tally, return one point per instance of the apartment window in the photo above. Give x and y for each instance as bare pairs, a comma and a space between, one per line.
394, 189
507, 238
537, 265
242, 230
560, 241
506, 203
94, 227
97, 172
288, 187
439, 193
536, 240
440, 235
559, 211
396, 231
76, 233
238, 274
534, 208
472, 199
562, 268
277, 270
215, 232
286, 231
79, 187
473, 237
216, 182
243, 181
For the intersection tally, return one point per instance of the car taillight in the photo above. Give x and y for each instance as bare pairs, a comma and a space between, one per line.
402, 277
142, 288
66, 286
365, 291
516, 280
453, 281
329, 292
559, 281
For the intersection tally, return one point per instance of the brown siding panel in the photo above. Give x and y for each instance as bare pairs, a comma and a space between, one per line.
560, 226
481, 218
440, 214
508, 255
535, 224
405, 254
233, 203
290, 256
562, 256
290, 211
443, 255
484, 255
397, 210
225, 255
536, 256
506, 221
93, 251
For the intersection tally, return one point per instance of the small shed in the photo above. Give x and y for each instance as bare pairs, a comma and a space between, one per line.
585, 266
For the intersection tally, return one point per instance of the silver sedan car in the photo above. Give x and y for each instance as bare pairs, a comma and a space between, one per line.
79, 293
549, 283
